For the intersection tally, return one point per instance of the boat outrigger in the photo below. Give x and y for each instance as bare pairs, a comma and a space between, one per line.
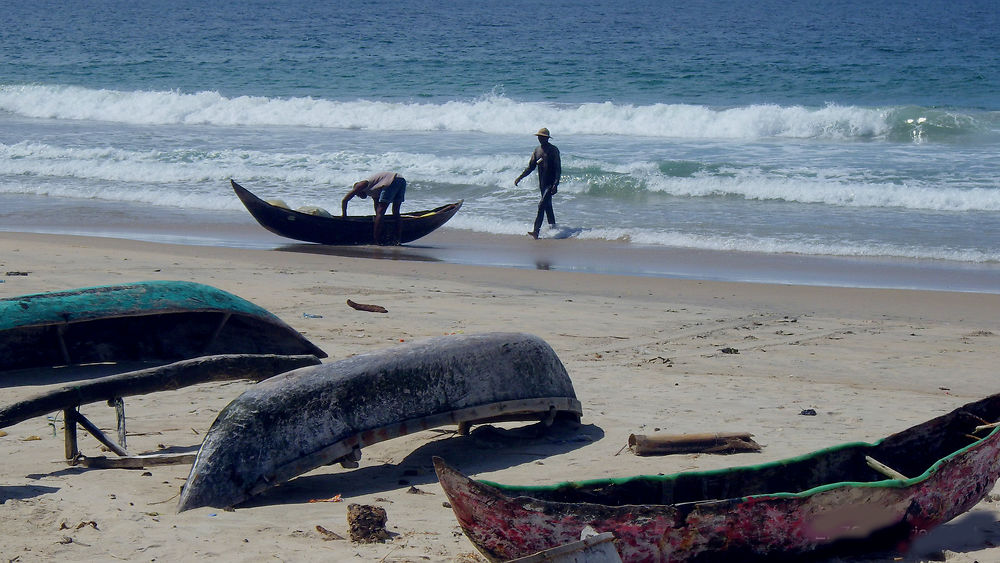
109, 342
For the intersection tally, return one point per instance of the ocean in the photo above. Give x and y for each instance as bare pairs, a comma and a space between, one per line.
865, 132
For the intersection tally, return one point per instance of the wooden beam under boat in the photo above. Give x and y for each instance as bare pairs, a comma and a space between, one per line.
335, 229
151, 321
298, 421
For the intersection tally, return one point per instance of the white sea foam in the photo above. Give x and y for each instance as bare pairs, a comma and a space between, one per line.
313, 175
491, 114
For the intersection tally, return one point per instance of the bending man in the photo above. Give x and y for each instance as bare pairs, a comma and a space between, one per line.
384, 188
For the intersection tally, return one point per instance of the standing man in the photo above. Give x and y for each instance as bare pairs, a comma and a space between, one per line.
384, 188
546, 158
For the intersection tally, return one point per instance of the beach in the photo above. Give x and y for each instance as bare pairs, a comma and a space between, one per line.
644, 354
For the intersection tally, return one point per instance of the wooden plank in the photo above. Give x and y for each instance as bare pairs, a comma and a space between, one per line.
135, 461
719, 443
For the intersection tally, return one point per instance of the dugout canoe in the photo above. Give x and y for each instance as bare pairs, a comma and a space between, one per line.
295, 422
338, 230
856, 496
146, 322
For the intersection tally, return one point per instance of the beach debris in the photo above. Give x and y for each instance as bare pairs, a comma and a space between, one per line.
311, 316
415, 491
91, 523
365, 307
728, 350
18, 273
713, 443
981, 333
334, 498
808, 412
328, 535
366, 523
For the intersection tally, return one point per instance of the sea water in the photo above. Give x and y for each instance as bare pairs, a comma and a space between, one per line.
843, 128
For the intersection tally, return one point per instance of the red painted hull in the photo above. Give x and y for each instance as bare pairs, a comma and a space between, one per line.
817, 508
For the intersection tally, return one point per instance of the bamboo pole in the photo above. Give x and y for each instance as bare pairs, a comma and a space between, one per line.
884, 469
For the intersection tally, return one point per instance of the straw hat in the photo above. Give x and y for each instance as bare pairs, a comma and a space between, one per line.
543, 132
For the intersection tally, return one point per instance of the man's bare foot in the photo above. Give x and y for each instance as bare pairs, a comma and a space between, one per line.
533, 235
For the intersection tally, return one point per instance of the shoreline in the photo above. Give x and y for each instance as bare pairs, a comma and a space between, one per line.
235, 228
643, 353
461, 247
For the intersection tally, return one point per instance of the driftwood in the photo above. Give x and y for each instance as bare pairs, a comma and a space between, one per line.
163, 378
715, 443
369, 308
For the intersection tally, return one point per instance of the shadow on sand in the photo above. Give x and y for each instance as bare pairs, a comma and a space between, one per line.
486, 448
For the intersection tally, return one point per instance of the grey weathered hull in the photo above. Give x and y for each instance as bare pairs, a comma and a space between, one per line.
294, 422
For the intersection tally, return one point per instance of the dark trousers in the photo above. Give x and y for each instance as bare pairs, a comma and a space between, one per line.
545, 210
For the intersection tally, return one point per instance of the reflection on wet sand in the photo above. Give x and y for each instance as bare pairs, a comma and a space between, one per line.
405, 253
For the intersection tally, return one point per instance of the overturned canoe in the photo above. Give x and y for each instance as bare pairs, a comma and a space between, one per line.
338, 230
298, 421
853, 496
153, 321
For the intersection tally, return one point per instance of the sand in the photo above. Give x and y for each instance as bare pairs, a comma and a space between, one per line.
644, 355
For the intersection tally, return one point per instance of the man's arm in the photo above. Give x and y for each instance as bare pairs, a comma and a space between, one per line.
357, 190
557, 168
531, 166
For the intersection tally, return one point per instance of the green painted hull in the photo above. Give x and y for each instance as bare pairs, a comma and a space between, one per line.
153, 321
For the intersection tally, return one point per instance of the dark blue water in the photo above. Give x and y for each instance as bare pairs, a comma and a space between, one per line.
721, 53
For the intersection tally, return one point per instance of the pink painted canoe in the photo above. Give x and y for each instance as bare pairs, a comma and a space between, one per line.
851, 497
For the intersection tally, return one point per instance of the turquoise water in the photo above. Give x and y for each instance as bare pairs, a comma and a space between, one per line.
849, 129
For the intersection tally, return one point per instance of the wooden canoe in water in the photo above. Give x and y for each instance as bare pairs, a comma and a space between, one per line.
297, 421
830, 500
338, 230
153, 322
